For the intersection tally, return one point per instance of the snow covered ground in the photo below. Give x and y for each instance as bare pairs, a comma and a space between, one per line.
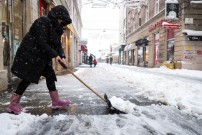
179, 89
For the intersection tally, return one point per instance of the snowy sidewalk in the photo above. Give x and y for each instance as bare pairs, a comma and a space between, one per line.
179, 90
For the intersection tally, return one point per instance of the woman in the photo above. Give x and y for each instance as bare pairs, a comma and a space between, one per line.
34, 56
90, 60
95, 62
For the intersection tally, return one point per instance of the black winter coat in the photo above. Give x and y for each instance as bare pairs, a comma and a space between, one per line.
42, 43
90, 59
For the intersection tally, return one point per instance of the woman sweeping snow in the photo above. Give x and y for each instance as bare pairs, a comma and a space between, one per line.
34, 56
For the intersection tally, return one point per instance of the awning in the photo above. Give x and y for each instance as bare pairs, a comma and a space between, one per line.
193, 35
121, 47
131, 47
126, 48
83, 48
192, 32
142, 42
170, 26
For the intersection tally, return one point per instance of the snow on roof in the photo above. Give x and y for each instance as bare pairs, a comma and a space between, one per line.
171, 1
196, 2
164, 23
126, 48
192, 32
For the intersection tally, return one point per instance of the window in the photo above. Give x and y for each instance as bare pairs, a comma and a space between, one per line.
170, 50
140, 22
157, 7
140, 55
170, 44
147, 10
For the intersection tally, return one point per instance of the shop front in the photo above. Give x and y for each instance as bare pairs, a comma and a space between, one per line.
126, 55
121, 54
156, 45
13, 22
170, 44
16, 21
143, 52
131, 54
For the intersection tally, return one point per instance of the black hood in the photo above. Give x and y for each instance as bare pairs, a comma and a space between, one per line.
59, 12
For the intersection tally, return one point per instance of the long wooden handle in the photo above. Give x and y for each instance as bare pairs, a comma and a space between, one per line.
64, 66
86, 85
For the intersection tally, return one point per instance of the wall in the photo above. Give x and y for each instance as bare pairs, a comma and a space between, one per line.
192, 50
3, 73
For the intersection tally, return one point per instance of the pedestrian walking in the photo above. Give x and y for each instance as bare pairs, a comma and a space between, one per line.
34, 56
95, 62
110, 60
107, 60
90, 60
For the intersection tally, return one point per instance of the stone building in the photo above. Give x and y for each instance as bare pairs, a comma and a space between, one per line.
153, 38
16, 17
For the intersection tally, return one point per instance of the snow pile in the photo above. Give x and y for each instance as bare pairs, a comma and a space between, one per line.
120, 104
12, 124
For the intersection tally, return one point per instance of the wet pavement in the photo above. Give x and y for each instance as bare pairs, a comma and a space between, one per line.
38, 103
36, 99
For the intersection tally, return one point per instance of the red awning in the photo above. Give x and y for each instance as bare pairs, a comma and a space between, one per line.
173, 26
170, 26
84, 48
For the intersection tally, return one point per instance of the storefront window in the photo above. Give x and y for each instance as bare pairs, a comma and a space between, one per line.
170, 44
140, 55
170, 51
130, 57
156, 43
121, 59
134, 57
146, 54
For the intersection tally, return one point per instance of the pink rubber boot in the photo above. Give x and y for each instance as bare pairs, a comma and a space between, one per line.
14, 106
57, 102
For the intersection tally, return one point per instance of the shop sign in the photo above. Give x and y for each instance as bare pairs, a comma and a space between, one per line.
188, 47
171, 10
83, 42
189, 52
84, 48
189, 21
158, 24
199, 52
189, 57
171, 26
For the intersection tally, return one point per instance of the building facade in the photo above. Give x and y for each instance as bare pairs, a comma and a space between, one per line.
153, 38
17, 16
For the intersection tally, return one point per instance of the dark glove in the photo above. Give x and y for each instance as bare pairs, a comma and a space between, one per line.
61, 52
59, 29
67, 21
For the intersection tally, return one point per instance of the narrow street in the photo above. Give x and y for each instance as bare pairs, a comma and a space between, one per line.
89, 114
